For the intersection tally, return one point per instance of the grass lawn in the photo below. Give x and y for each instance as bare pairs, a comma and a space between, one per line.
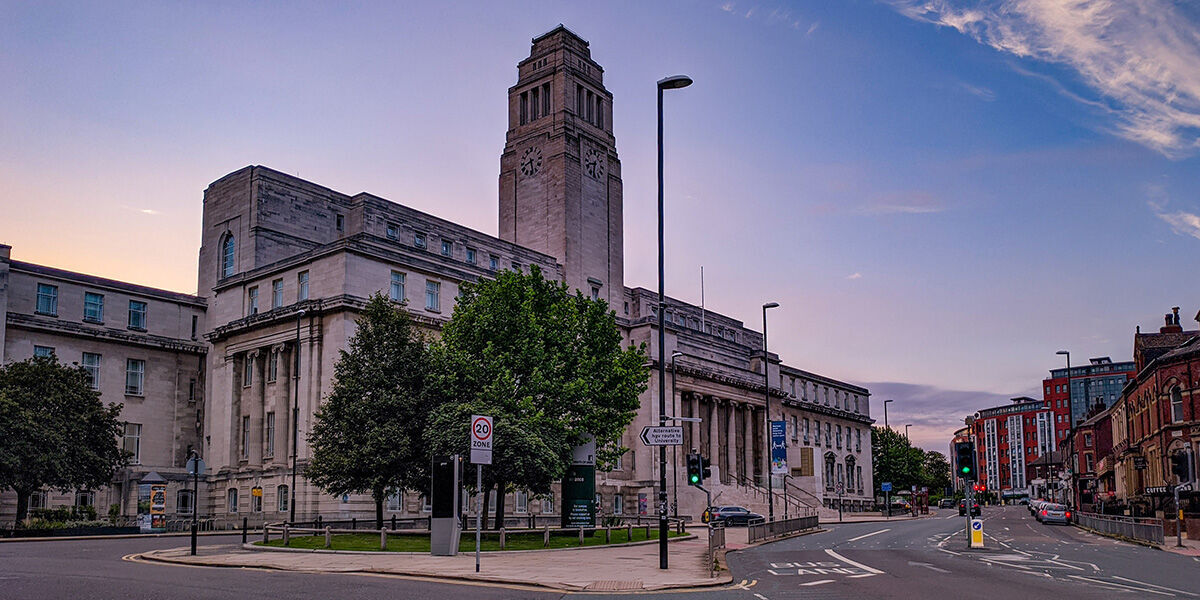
490, 542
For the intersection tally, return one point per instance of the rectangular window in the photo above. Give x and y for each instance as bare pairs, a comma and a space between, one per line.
447, 247
195, 325
245, 436
419, 240
433, 292
535, 102
137, 315
579, 100
43, 351
269, 434
183, 502
591, 103
231, 500
839, 437
272, 366
395, 501
341, 223
93, 307
393, 231
397, 290
493, 263
277, 293
135, 375
133, 442
545, 99
255, 501
806, 430
191, 391
302, 286
599, 112
426, 506
85, 498
828, 435
618, 504
522, 502
281, 498
816, 432
795, 428
47, 299
91, 364
248, 371
858, 440
252, 307
524, 107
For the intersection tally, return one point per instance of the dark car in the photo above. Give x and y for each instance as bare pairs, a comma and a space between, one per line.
946, 503
962, 508
731, 515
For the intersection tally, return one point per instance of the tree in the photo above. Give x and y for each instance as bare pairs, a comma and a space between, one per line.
547, 365
54, 430
368, 435
937, 471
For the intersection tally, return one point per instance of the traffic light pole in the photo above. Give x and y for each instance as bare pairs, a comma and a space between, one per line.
969, 506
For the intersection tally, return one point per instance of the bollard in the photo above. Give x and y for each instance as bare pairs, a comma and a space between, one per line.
319, 521
608, 535
353, 522
328, 537
393, 522
245, 523
628, 531
266, 535
383, 539
287, 538
546, 537
501, 538
647, 531
580, 536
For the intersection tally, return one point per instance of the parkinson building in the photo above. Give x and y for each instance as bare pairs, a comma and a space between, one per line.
286, 265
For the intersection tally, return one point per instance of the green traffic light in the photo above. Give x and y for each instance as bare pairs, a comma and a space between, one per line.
695, 479
966, 469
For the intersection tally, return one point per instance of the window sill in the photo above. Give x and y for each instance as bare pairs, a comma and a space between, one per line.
93, 321
138, 329
137, 395
45, 314
433, 310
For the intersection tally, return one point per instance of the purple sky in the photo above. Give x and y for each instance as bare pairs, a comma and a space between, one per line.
939, 198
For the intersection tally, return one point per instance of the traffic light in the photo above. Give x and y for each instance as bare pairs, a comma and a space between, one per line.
705, 471
1180, 467
964, 460
694, 470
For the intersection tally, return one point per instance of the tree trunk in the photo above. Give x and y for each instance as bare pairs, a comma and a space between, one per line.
22, 505
499, 504
487, 493
379, 496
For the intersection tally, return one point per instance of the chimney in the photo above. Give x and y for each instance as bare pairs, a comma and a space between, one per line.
1171, 322
1175, 315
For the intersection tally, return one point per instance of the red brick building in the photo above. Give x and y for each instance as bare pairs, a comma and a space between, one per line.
1092, 461
1007, 439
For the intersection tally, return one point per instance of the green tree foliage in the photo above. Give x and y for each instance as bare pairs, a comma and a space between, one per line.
368, 435
898, 461
54, 430
547, 364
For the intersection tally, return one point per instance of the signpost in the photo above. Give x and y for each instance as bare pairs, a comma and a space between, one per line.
195, 466
481, 454
666, 435
886, 487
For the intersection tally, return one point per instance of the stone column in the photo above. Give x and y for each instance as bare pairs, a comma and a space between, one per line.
714, 449
748, 441
731, 445
694, 427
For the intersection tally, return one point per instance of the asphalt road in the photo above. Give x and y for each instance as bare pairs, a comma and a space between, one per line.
925, 558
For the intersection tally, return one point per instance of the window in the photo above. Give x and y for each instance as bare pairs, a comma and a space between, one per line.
534, 103
858, 440
245, 437
419, 240
231, 500
839, 437
521, 499
341, 223
91, 364
195, 325
43, 351
618, 504
595, 293
828, 434
1087, 441
548, 504
524, 103
427, 507
93, 307
256, 501
470, 256
806, 430
133, 442
516, 266
191, 391
135, 375
183, 502
397, 290
37, 500
227, 257
281, 498
395, 501
433, 299
47, 300
137, 315
493, 262
620, 464
302, 286
248, 370
272, 366
817, 433
858, 472
269, 450
1176, 405
85, 498
447, 247
277, 293
795, 428
252, 306
393, 231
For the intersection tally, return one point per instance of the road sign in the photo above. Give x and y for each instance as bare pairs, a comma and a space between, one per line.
841, 488
481, 440
667, 435
885, 486
1184, 487
195, 466
976, 533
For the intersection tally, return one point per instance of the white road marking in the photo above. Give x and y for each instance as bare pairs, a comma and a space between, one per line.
760, 597
927, 566
818, 582
851, 562
1161, 587
861, 576
855, 539
1119, 585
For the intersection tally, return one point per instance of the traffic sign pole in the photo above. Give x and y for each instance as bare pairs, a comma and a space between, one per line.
480, 438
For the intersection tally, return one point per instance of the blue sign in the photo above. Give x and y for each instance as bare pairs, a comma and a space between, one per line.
886, 486
779, 447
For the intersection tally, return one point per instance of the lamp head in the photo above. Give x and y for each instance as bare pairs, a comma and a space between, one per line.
674, 82
771, 305
1064, 352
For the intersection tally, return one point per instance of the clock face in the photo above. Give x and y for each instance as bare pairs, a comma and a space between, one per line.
593, 163
531, 161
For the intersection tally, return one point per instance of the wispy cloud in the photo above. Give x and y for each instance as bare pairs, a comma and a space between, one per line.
1139, 56
144, 211
811, 28
1181, 222
780, 15
933, 412
978, 91
854, 276
728, 7
904, 203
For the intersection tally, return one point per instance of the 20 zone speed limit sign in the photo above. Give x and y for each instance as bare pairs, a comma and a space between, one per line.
481, 440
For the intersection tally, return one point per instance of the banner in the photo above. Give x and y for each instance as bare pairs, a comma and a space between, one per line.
779, 447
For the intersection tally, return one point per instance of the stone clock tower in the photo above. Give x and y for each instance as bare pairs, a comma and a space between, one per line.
560, 180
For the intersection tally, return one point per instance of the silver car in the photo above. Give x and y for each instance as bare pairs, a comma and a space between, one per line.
1054, 513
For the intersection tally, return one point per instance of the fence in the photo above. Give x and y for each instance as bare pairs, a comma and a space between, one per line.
762, 530
1146, 530
716, 541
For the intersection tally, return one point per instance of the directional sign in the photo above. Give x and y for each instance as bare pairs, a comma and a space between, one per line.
976, 533
1184, 487
481, 440
667, 435
195, 466
885, 486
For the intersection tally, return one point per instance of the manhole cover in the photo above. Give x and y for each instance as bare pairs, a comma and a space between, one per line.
613, 586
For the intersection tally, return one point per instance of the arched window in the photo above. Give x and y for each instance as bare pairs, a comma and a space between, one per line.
829, 470
282, 498
850, 472
227, 248
1176, 405
231, 500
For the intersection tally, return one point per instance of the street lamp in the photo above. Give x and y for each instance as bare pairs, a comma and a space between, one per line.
1070, 419
667, 83
885, 403
674, 449
295, 420
906, 431
767, 410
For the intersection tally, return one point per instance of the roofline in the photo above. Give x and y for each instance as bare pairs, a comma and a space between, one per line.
97, 281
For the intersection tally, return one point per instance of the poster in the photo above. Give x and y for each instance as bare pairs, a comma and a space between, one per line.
779, 447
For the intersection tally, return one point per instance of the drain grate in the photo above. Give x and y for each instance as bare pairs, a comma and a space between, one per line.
613, 586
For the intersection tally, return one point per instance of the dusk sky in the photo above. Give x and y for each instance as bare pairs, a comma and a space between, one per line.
938, 197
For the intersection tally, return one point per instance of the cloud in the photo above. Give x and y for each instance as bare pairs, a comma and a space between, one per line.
935, 413
906, 203
148, 211
811, 28
1138, 57
1183, 223
978, 91
854, 276
727, 7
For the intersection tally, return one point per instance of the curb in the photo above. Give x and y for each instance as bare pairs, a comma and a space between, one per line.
121, 536
253, 546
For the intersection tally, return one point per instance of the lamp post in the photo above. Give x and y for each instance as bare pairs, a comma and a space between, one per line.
906, 431
1070, 419
885, 423
767, 410
674, 449
295, 420
667, 83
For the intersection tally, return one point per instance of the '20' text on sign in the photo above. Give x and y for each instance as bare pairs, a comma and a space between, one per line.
481, 440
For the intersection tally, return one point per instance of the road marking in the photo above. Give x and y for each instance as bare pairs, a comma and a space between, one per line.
1161, 587
927, 566
760, 597
819, 582
861, 576
855, 539
950, 552
1119, 585
851, 562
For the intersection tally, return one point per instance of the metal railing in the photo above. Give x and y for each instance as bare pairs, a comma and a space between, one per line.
793, 502
716, 541
1146, 530
762, 530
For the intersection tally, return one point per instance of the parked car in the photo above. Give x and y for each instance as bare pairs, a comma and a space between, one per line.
1054, 513
962, 509
946, 503
731, 515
